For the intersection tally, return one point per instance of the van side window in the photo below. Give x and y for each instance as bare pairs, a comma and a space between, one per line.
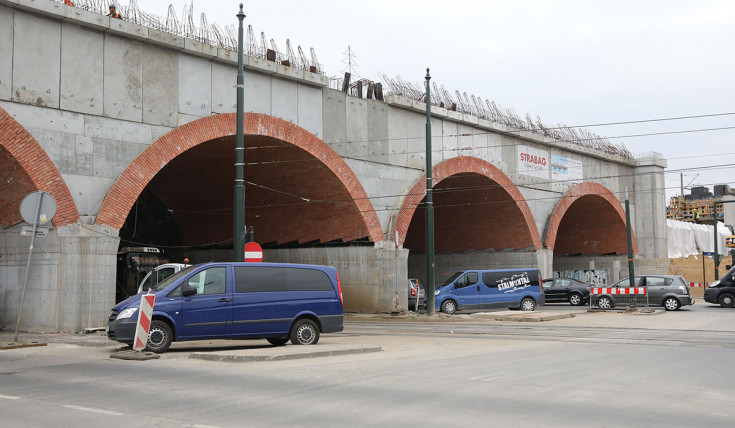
490, 279
468, 279
209, 281
249, 279
307, 280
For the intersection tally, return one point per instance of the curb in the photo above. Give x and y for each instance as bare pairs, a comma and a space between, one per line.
233, 358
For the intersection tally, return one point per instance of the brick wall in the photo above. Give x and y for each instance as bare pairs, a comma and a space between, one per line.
25, 167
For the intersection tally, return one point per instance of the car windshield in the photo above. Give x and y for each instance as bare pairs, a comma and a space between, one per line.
451, 279
171, 279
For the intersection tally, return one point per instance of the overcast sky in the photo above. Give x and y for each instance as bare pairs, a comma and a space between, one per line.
572, 62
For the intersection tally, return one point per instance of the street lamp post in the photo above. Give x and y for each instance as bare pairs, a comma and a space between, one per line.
239, 232
429, 207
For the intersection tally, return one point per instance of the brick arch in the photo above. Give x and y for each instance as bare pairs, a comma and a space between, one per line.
140, 172
33, 171
591, 191
450, 167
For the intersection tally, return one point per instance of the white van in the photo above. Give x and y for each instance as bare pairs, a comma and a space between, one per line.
159, 274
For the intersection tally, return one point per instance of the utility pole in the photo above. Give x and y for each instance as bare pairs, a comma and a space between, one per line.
239, 233
631, 264
429, 207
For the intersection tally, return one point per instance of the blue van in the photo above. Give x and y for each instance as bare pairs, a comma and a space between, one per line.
489, 289
273, 301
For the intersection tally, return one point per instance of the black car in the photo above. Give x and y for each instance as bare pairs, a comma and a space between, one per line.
559, 290
722, 292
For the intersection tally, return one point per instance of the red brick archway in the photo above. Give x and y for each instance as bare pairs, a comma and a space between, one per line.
595, 220
460, 165
25, 167
138, 174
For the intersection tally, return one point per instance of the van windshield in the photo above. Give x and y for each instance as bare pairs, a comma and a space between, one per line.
451, 279
171, 279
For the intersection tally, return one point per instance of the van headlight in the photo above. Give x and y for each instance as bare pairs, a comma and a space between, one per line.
436, 292
126, 313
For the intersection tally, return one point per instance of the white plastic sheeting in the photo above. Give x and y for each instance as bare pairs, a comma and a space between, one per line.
685, 239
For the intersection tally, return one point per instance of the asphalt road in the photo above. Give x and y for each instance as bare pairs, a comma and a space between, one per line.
599, 370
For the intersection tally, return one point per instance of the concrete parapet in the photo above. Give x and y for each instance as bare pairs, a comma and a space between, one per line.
42, 7
200, 49
166, 39
86, 18
128, 29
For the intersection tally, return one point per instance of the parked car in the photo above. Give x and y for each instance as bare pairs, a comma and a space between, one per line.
416, 288
560, 290
159, 274
722, 291
485, 289
273, 301
669, 291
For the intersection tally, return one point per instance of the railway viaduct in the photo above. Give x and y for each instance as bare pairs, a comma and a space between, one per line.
132, 130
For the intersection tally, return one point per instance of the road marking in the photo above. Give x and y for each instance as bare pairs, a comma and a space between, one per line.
93, 410
8, 397
486, 378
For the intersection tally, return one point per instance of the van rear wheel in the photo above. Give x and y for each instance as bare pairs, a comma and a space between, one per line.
304, 332
527, 304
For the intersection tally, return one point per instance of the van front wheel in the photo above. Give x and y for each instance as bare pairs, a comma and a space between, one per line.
159, 337
449, 307
304, 332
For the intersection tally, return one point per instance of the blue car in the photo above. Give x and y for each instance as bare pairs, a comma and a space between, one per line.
273, 301
490, 289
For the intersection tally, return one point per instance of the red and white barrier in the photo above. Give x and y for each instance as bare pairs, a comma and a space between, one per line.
699, 284
618, 290
145, 313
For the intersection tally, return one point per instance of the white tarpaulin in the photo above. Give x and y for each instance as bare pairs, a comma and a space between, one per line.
685, 239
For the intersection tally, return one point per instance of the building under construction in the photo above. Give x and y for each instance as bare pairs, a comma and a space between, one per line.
700, 199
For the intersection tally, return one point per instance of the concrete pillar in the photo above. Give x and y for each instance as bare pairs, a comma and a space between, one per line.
370, 276
649, 196
71, 282
545, 258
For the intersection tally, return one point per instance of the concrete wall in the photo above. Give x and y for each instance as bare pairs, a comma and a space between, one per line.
370, 276
70, 274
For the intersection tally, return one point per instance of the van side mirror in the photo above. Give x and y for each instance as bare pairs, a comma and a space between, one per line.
188, 291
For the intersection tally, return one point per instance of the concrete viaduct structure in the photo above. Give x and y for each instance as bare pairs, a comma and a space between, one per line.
132, 131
